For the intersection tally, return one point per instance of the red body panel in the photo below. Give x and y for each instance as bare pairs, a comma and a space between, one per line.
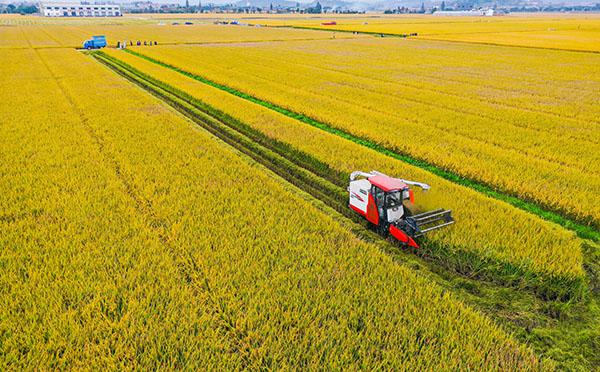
402, 237
387, 183
357, 210
372, 213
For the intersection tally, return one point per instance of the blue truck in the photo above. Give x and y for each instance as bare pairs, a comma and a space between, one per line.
96, 42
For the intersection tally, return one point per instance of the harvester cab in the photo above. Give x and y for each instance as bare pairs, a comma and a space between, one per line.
382, 200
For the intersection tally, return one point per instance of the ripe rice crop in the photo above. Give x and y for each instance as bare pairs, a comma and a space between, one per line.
475, 110
579, 32
85, 282
485, 227
69, 33
133, 239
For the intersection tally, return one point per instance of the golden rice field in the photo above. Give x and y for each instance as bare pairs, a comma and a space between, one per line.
72, 33
130, 240
136, 234
487, 227
580, 32
509, 117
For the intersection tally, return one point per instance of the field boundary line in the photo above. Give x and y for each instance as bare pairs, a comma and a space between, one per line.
583, 231
245, 41
473, 139
448, 94
424, 37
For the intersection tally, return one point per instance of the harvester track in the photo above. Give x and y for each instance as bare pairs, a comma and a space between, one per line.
583, 228
327, 185
497, 296
294, 166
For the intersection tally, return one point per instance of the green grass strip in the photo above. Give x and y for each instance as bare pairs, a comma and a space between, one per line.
374, 33
429, 38
583, 231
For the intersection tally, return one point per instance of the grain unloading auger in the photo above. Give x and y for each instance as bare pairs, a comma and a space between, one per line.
381, 200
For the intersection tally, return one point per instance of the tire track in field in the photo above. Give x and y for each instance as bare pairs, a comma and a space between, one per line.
298, 171
495, 102
465, 111
26, 39
425, 37
515, 317
51, 37
561, 218
193, 273
482, 76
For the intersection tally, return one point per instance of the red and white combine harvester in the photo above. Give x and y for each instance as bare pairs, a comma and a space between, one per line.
381, 200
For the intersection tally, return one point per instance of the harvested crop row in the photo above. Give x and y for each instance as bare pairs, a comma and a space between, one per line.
495, 152
486, 228
295, 289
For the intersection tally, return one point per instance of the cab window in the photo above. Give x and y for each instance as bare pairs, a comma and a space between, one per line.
393, 199
378, 195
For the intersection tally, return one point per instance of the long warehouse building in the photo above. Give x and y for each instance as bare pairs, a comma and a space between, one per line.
71, 9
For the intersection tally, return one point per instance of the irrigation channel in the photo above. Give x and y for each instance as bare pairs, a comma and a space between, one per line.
556, 325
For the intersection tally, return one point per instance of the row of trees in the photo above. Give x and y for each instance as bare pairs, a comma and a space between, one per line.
22, 8
189, 8
469, 4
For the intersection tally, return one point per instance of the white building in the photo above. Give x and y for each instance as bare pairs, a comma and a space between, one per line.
64, 9
473, 12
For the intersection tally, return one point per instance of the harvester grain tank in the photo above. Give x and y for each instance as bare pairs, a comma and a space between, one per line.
381, 199
96, 42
